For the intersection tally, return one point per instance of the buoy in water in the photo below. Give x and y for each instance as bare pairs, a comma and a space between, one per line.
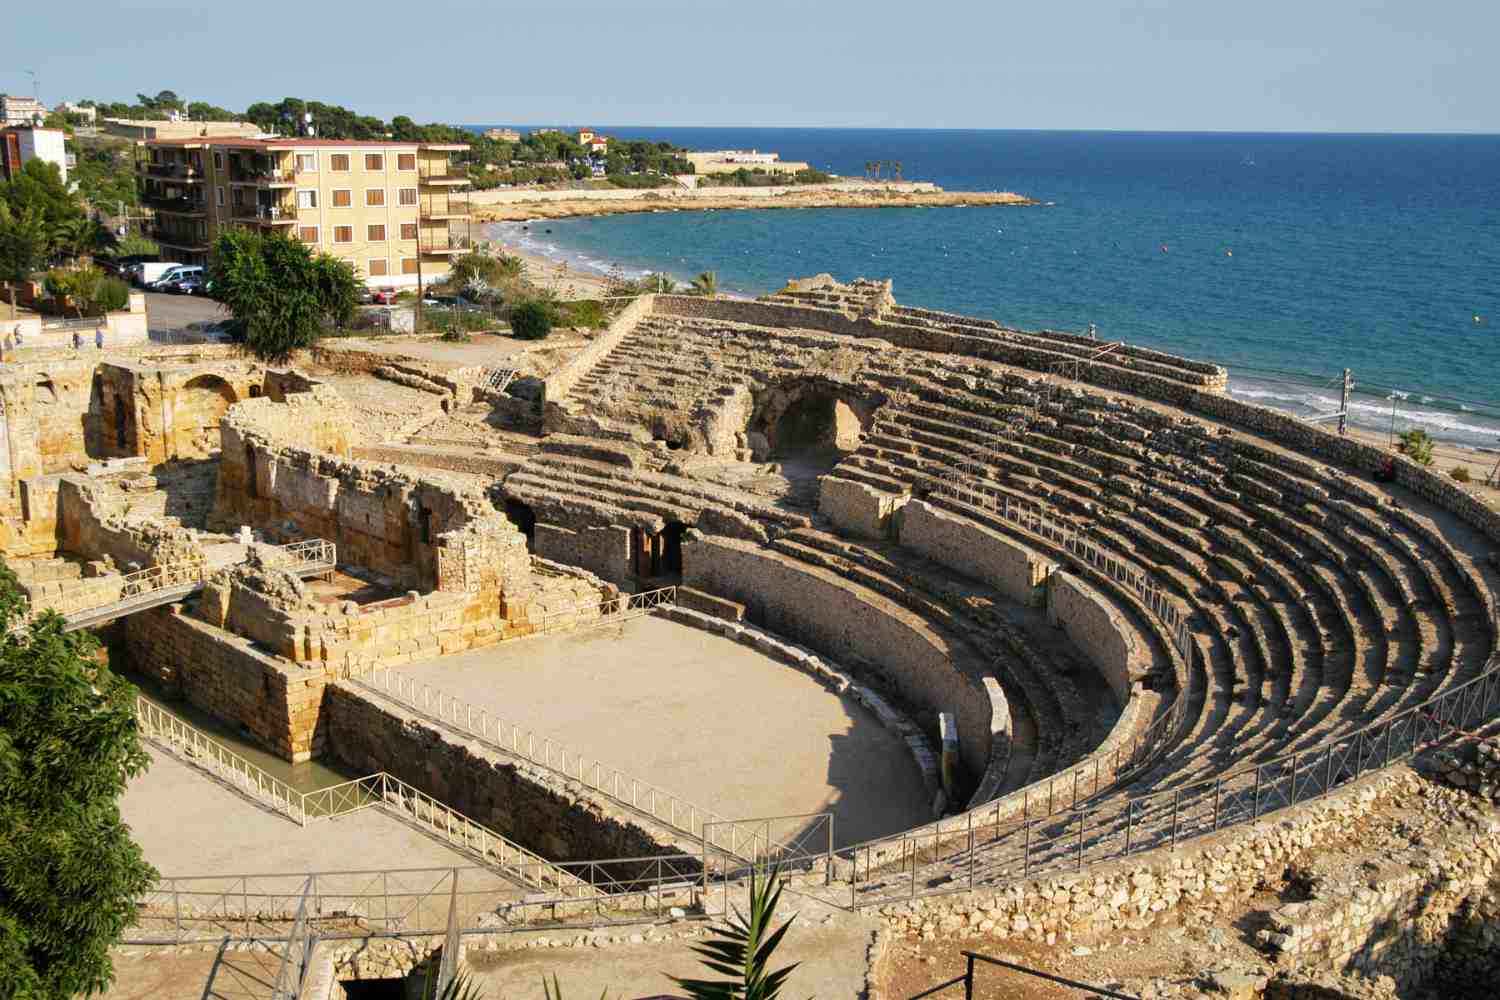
1163, 248
1229, 253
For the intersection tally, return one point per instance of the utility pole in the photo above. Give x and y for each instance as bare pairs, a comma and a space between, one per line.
1344, 402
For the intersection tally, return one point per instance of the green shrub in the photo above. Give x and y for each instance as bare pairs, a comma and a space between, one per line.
114, 295
1460, 473
532, 319
1417, 446
587, 313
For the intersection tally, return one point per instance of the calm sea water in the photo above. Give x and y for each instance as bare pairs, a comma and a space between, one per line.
1286, 257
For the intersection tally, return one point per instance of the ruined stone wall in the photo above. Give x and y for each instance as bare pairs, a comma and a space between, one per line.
1097, 629
563, 379
276, 702
90, 525
811, 607
974, 550
857, 508
606, 551
533, 807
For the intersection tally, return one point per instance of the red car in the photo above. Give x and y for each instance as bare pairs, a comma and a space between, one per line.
383, 296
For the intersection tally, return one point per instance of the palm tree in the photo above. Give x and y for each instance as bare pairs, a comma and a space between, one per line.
83, 237
658, 283
896, 169
25, 241
706, 284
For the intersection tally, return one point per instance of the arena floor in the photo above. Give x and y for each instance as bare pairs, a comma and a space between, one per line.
711, 721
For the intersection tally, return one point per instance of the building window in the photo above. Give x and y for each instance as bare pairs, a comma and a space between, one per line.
374, 197
377, 268
407, 196
406, 161
218, 161
408, 265
307, 162
219, 197
343, 234
339, 162
307, 198
374, 234
408, 230
308, 235
374, 161
342, 198
238, 197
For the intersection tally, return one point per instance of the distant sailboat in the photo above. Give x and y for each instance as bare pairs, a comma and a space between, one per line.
1248, 161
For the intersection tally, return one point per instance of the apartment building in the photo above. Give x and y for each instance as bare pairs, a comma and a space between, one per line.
21, 110
394, 210
18, 145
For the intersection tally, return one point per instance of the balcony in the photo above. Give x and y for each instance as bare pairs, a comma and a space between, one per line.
180, 172
263, 178
444, 209
269, 215
174, 206
179, 240
440, 247
443, 175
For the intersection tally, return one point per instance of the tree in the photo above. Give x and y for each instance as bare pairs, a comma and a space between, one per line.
1417, 446
39, 185
706, 284
69, 873
743, 948
532, 319
24, 241
280, 294
84, 237
658, 282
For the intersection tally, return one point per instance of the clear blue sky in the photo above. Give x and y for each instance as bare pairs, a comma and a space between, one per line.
1313, 65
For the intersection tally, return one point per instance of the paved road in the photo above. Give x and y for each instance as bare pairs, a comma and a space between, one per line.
173, 312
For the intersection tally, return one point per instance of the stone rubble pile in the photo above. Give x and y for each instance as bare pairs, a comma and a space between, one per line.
1477, 771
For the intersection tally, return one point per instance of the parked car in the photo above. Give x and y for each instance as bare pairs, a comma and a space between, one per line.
458, 302
383, 296
186, 284
175, 273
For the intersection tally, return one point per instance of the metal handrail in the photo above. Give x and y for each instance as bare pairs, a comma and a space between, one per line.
171, 733
967, 979
1165, 818
294, 958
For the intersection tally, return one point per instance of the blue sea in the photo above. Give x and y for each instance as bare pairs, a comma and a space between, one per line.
1285, 257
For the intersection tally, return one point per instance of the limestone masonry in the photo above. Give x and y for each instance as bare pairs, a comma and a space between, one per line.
1160, 657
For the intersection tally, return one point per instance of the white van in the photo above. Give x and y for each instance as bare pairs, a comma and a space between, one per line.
147, 273
172, 273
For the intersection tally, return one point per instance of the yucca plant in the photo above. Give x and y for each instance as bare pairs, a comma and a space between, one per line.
742, 949
552, 991
460, 987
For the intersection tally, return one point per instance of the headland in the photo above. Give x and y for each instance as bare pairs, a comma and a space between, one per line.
519, 204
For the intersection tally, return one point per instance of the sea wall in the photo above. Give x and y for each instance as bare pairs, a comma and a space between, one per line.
813, 607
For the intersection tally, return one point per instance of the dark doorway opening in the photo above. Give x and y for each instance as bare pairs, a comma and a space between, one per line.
524, 518
374, 989
671, 560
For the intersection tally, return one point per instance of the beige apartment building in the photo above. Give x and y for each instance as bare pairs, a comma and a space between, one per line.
394, 210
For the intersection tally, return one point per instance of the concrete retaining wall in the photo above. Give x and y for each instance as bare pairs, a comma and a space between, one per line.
974, 550
1098, 630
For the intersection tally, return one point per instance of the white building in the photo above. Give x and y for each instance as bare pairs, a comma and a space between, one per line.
21, 110
68, 107
19, 146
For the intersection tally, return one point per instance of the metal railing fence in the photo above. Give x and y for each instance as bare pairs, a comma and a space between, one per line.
165, 729
491, 731
297, 950
425, 901
967, 979
961, 854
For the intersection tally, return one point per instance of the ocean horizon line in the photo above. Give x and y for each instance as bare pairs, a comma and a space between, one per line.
986, 130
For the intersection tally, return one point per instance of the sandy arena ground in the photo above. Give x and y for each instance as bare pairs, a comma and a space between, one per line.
189, 824
701, 717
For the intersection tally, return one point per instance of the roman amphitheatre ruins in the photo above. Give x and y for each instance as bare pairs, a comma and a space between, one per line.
1017, 642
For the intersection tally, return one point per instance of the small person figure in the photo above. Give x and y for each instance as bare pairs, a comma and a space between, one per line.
77, 340
18, 336
99, 336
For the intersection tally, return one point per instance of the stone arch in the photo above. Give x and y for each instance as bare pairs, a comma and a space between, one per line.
199, 405
810, 417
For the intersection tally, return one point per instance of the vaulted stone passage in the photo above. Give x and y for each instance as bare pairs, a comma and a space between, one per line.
809, 417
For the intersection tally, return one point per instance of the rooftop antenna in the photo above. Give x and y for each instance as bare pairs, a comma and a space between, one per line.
36, 93
308, 127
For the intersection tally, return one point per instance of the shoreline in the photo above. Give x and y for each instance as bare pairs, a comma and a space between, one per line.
520, 206
568, 280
